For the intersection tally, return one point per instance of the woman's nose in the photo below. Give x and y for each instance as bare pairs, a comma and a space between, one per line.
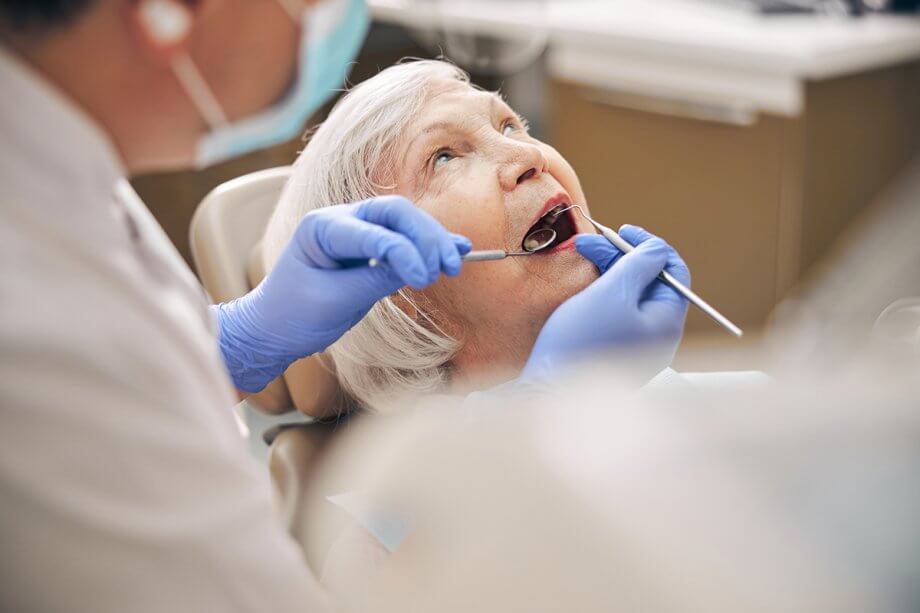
525, 161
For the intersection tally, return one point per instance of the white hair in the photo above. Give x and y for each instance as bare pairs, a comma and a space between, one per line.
388, 354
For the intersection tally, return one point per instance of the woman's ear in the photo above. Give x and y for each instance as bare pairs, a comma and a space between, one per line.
163, 27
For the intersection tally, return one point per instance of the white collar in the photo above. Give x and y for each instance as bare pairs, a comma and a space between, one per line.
41, 124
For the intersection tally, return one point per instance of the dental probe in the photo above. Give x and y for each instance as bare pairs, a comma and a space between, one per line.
492, 254
488, 255
533, 242
620, 243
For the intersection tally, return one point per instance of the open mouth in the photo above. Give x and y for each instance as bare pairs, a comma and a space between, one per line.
559, 219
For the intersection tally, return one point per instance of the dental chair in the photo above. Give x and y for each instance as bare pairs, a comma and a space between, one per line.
227, 227
225, 237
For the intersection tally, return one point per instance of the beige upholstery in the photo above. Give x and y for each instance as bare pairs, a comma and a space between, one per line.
225, 234
228, 225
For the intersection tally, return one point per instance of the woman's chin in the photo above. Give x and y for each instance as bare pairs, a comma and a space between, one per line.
563, 269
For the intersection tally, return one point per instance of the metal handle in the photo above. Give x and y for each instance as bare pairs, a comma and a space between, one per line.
472, 256
485, 256
704, 306
620, 243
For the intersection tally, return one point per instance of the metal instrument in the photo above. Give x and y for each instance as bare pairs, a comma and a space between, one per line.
537, 240
542, 238
620, 243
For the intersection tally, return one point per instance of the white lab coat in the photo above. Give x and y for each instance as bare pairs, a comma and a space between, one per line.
124, 483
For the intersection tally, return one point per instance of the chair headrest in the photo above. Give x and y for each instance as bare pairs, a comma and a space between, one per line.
311, 381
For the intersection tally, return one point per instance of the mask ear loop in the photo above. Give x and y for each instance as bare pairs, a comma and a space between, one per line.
169, 23
294, 8
198, 91
197, 88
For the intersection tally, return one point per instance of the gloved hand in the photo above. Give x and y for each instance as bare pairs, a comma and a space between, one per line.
322, 285
625, 308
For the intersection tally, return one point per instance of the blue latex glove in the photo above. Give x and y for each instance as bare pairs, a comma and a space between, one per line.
625, 308
321, 285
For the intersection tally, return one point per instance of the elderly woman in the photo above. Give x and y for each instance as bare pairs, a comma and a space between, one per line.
421, 131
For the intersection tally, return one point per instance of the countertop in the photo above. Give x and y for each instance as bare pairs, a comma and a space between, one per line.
684, 50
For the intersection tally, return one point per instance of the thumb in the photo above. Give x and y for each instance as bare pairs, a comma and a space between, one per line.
598, 250
368, 284
462, 243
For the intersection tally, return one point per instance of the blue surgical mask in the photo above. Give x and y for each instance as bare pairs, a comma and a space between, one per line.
332, 35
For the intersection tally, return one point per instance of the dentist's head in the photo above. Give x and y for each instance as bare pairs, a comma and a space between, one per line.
180, 83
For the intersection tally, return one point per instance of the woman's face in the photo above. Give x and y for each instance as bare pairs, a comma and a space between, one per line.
469, 161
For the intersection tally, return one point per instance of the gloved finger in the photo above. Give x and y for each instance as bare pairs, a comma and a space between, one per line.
400, 215
635, 235
451, 262
601, 252
375, 282
638, 269
345, 238
463, 244
662, 292
678, 268
451, 257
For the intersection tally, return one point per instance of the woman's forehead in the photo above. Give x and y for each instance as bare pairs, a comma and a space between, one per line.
448, 97
450, 105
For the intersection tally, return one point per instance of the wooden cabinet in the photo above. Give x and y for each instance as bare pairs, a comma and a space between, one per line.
751, 203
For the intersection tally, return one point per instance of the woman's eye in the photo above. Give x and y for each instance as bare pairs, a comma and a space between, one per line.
442, 157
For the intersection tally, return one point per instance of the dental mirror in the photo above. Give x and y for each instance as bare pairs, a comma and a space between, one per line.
539, 240
534, 242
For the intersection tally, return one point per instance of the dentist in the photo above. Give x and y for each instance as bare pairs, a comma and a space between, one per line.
123, 483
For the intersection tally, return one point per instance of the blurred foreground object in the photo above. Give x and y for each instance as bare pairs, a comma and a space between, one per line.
800, 495
803, 498
865, 295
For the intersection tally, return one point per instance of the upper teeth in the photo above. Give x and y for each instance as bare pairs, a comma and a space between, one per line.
551, 215
534, 238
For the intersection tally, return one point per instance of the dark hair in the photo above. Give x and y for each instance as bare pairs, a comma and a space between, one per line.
40, 14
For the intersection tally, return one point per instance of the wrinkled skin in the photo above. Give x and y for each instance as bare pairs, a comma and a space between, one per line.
469, 161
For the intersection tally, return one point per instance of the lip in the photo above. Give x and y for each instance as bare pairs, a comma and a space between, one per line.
566, 245
560, 198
